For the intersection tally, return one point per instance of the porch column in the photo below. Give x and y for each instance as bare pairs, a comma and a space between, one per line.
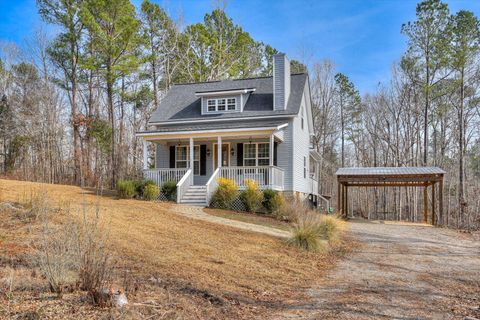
270, 161
191, 153
219, 151
145, 155
272, 143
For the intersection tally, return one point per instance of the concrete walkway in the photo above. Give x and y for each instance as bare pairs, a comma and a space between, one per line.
199, 214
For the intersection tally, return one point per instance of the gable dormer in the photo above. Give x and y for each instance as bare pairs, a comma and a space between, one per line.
224, 101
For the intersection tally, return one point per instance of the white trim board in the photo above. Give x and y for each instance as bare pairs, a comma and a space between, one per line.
171, 133
200, 120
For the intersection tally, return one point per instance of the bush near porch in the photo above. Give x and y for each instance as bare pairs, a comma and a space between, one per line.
252, 199
226, 193
146, 189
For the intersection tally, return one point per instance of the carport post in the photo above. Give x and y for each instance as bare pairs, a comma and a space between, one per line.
425, 204
346, 201
338, 195
433, 203
440, 208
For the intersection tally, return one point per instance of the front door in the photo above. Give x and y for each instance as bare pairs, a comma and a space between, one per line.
225, 155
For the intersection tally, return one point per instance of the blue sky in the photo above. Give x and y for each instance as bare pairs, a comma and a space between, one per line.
362, 37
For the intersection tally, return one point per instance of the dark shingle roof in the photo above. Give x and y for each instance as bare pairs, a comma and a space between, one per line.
387, 171
180, 103
220, 125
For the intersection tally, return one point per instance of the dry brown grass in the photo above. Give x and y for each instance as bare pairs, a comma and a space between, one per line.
250, 272
254, 218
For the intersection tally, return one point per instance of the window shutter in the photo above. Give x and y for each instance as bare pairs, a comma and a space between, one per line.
172, 156
275, 157
239, 154
203, 159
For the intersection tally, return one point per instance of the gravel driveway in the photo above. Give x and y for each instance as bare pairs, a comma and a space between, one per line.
400, 271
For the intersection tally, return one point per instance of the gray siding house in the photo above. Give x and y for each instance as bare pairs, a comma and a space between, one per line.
257, 128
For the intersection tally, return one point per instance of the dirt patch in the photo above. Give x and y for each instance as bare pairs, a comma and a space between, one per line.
400, 271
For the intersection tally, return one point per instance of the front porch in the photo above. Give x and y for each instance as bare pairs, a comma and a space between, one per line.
195, 162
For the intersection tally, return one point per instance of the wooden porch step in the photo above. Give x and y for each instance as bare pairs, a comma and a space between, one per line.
195, 196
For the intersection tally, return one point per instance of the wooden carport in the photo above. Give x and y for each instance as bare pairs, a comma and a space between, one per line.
392, 177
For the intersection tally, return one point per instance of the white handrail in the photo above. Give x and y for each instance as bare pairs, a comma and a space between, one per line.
162, 175
184, 184
212, 185
270, 177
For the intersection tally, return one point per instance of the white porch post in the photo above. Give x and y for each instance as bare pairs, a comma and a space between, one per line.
272, 143
191, 153
219, 151
270, 170
145, 155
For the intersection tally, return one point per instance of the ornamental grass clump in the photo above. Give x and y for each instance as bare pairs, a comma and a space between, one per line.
225, 194
312, 231
330, 227
306, 233
252, 196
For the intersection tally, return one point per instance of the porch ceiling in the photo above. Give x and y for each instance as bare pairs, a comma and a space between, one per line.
213, 134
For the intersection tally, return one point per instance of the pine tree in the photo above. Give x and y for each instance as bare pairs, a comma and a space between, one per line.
114, 30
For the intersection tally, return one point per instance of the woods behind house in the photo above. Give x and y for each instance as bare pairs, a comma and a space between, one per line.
71, 102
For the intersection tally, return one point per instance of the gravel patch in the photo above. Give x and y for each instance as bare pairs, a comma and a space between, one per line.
400, 271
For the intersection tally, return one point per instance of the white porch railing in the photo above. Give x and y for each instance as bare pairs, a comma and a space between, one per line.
184, 184
267, 177
160, 176
212, 185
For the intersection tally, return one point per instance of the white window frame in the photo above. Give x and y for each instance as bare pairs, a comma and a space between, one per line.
257, 158
214, 105
195, 159
231, 103
228, 103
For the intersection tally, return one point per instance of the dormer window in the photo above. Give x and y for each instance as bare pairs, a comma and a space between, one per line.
231, 103
212, 105
221, 104
220, 101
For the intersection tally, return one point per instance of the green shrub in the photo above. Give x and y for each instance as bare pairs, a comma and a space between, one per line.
252, 197
169, 189
225, 194
140, 186
273, 201
151, 192
126, 189
268, 195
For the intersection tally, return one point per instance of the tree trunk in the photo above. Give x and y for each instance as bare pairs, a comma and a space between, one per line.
461, 148
111, 114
